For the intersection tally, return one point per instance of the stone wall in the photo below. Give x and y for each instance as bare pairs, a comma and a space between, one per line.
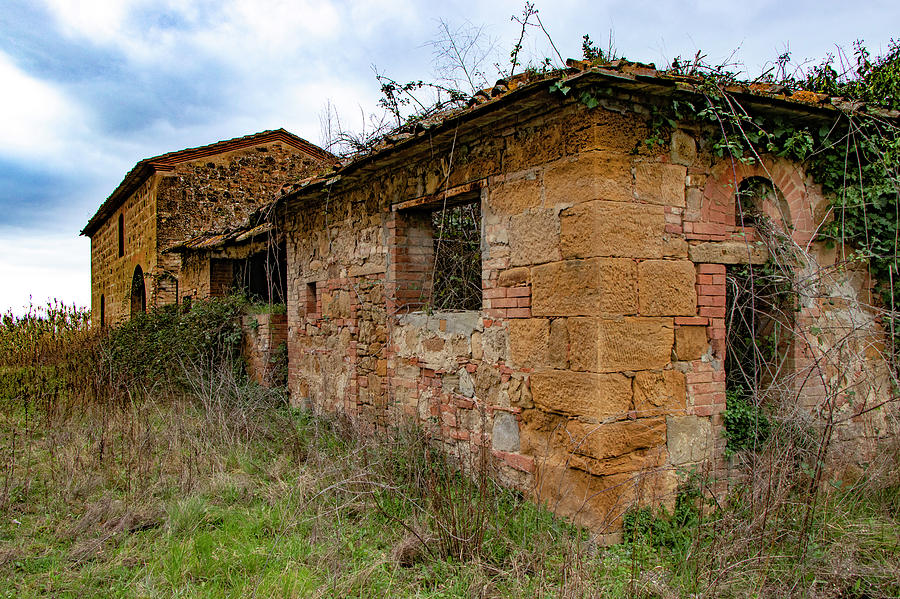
594, 371
170, 207
111, 274
218, 192
264, 337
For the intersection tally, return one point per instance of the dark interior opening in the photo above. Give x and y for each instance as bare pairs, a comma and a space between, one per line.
758, 320
138, 292
262, 276
121, 235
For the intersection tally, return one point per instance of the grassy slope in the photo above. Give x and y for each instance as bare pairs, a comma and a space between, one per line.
290, 510
205, 515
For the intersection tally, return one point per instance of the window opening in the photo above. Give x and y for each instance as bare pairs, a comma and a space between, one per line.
457, 257
121, 235
311, 299
102, 310
138, 292
754, 196
221, 276
759, 317
262, 276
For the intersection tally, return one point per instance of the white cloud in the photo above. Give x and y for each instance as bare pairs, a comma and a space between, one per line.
35, 116
43, 267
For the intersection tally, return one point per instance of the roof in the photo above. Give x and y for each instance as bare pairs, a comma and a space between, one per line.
211, 240
166, 162
522, 91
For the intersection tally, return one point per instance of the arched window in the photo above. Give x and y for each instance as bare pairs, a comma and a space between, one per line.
138, 292
102, 310
759, 197
121, 235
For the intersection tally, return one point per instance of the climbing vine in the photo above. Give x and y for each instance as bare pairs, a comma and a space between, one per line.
855, 157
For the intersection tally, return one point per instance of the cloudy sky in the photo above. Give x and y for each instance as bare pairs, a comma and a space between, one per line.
89, 87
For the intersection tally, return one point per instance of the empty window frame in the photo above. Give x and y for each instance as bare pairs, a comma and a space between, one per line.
456, 282
121, 235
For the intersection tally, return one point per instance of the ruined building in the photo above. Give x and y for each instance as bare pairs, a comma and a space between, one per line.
587, 350
169, 199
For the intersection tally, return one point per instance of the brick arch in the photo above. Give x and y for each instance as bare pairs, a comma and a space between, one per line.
718, 206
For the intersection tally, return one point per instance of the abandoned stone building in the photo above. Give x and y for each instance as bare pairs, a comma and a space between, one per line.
530, 277
170, 199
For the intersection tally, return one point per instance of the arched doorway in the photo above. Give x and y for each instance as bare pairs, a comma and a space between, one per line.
138, 292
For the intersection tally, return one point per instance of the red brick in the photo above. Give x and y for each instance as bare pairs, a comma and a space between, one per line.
711, 279
518, 292
711, 290
711, 269
499, 292
710, 228
713, 311
701, 389
515, 460
708, 410
519, 313
691, 320
711, 300
693, 378
505, 302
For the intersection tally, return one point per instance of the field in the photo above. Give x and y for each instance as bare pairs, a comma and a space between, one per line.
142, 463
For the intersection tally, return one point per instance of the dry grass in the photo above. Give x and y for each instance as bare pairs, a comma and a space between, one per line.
218, 489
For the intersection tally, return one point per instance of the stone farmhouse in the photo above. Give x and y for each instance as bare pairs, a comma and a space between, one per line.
586, 352
168, 199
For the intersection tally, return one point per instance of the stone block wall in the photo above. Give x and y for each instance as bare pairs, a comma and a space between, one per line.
111, 274
594, 372
173, 206
264, 336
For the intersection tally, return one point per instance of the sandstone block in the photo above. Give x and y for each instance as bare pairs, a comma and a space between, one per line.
617, 229
534, 237
584, 287
558, 350
667, 288
514, 277
690, 342
516, 196
595, 502
608, 440
688, 438
529, 342
632, 462
659, 392
660, 183
589, 176
477, 352
683, 149
729, 252
618, 345
593, 396
529, 146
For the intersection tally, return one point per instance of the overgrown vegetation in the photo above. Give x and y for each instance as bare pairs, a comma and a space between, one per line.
141, 461
457, 257
204, 484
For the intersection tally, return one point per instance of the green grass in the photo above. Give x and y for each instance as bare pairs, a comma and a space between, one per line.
281, 513
262, 518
